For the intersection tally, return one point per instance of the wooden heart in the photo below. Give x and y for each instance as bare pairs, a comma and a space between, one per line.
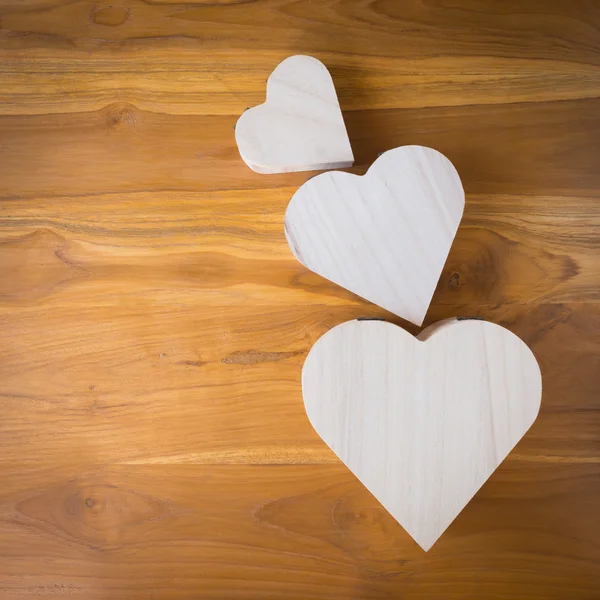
300, 126
422, 422
384, 236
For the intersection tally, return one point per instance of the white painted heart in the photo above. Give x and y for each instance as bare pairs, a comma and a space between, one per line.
384, 236
422, 422
300, 126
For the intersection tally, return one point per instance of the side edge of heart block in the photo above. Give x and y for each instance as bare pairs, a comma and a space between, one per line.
300, 126
386, 235
422, 422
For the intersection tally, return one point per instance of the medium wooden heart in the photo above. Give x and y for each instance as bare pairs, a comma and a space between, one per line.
422, 422
384, 236
300, 126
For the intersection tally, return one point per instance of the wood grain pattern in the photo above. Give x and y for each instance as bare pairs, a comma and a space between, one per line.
421, 421
154, 322
384, 236
300, 126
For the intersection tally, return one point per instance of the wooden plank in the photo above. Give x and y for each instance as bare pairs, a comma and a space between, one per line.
212, 59
122, 148
184, 80
511, 30
287, 532
215, 246
139, 380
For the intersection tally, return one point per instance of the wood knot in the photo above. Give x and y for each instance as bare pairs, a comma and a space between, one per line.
119, 115
454, 281
97, 514
110, 16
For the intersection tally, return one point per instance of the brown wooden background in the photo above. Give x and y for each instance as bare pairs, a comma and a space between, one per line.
153, 442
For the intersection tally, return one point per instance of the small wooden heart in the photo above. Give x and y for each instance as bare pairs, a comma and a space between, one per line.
384, 236
422, 422
300, 126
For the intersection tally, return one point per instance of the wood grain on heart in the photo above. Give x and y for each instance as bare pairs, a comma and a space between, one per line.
422, 422
300, 126
384, 236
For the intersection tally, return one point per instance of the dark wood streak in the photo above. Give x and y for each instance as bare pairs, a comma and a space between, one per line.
253, 357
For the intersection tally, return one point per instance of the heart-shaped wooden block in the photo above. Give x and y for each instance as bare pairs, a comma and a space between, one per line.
422, 422
384, 236
300, 126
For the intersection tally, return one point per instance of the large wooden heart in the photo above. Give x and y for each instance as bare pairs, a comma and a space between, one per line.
384, 236
422, 422
300, 126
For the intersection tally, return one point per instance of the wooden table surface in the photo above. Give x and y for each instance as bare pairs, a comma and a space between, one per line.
153, 441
